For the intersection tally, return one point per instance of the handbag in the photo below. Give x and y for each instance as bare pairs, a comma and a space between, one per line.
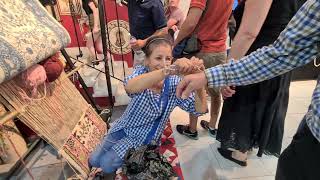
192, 43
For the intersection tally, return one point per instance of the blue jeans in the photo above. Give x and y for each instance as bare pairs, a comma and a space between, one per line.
104, 156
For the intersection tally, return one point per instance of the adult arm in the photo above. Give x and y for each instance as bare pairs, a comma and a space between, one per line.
254, 15
296, 46
96, 23
189, 24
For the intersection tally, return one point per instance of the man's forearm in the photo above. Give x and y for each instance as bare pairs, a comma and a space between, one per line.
296, 46
185, 31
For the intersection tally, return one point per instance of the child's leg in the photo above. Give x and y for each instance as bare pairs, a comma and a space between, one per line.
110, 161
105, 146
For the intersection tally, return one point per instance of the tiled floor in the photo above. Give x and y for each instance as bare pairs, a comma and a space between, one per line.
199, 158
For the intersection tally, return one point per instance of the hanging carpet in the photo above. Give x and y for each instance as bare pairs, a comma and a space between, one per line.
28, 35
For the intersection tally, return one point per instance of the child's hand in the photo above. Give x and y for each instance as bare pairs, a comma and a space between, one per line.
198, 63
186, 66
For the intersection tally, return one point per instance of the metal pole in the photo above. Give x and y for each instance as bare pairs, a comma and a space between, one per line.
118, 23
73, 15
109, 43
104, 45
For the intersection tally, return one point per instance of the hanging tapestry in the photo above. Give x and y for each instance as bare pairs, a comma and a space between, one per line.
84, 138
28, 35
119, 37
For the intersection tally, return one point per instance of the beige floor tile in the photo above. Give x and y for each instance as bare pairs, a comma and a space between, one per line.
198, 162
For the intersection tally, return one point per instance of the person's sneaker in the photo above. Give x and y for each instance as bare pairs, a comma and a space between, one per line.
205, 125
184, 130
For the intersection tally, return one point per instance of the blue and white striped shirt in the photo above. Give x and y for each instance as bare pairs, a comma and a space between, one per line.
296, 46
142, 111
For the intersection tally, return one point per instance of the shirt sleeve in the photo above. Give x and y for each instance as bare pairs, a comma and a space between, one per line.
198, 4
138, 70
296, 46
158, 15
188, 105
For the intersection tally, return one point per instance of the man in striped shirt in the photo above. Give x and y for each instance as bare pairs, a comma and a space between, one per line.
296, 46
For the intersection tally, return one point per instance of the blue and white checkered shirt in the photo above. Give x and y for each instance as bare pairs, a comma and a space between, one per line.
142, 111
296, 46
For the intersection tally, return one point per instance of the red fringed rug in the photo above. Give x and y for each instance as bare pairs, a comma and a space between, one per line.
169, 150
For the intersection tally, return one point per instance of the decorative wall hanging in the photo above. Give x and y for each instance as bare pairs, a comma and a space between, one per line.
119, 37
28, 35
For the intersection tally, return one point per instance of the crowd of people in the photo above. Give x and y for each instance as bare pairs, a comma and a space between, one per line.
251, 81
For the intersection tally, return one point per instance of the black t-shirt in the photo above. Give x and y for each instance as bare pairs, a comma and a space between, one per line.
146, 17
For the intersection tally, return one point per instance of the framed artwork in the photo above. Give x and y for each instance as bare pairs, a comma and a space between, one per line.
119, 37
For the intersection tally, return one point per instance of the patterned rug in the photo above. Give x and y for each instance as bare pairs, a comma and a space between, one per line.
28, 35
84, 138
169, 151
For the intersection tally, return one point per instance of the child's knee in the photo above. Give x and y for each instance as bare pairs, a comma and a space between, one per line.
110, 162
95, 156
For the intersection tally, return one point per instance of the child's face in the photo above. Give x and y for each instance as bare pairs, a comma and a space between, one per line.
160, 56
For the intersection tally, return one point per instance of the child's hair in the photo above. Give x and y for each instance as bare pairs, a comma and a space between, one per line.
155, 41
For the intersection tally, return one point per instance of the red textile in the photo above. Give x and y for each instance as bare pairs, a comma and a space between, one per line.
53, 67
212, 29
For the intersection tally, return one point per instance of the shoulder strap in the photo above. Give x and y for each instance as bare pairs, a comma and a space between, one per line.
165, 98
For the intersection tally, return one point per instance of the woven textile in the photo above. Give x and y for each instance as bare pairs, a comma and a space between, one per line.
63, 118
55, 116
28, 34
84, 138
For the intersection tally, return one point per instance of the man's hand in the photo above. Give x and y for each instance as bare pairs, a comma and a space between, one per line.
138, 44
227, 92
191, 83
186, 66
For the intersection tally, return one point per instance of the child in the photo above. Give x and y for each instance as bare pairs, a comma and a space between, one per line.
152, 87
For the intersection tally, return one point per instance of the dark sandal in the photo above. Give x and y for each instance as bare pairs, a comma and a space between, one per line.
228, 155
